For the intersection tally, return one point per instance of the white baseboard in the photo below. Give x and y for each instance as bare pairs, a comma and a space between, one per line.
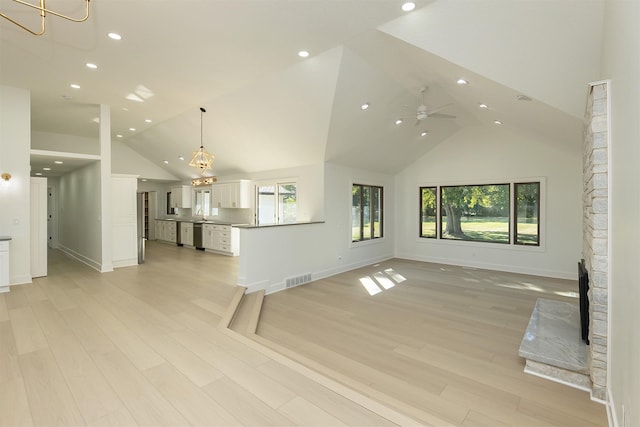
491, 266
79, 257
273, 287
125, 263
19, 280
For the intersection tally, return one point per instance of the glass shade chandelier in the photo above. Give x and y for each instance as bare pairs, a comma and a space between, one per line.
42, 11
202, 159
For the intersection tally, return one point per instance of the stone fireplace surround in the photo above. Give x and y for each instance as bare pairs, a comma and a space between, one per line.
552, 344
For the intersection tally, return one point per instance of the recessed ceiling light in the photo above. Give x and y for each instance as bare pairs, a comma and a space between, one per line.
462, 82
303, 54
408, 6
39, 173
119, 136
92, 66
114, 36
96, 120
147, 120
424, 133
46, 169
498, 122
364, 106
181, 158
166, 162
398, 121
483, 106
132, 129
58, 162
144, 180
74, 86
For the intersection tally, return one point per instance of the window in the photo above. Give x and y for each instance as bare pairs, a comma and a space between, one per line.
428, 212
482, 213
277, 203
475, 212
527, 207
366, 212
202, 206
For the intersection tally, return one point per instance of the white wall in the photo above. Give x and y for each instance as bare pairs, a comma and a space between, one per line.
79, 205
126, 161
15, 137
487, 155
621, 64
269, 255
64, 143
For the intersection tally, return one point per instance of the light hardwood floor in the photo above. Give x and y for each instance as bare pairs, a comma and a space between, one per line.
140, 346
439, 343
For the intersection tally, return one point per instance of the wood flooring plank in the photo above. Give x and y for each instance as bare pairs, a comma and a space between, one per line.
56, 294
327, 400
250, 410
93, 394
192, 402
267, 390
9, 365
33, 292
52, 324
120, 334
16, 298
26, 330
145, 403
90, 335
302, 412
49, 396
14, 404
211, 333
121, 418
4, 311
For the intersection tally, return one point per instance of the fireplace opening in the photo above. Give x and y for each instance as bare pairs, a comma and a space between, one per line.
583, 290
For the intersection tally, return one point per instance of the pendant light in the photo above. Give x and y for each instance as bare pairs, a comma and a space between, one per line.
202, 160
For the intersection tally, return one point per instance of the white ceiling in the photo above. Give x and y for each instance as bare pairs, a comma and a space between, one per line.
268, 109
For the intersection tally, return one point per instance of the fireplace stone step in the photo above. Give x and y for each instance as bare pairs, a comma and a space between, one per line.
552, 344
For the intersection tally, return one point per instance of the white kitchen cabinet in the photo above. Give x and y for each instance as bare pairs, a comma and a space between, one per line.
232, 194
222, 239
4, 264
181, 197
186, 233
166, 231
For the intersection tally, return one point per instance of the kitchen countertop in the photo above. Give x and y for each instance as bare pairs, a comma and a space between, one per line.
199, 221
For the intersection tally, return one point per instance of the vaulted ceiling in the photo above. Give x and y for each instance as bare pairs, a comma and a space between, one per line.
267, 108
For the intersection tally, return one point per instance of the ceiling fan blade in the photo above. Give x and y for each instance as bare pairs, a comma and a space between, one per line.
442, 116
440, 108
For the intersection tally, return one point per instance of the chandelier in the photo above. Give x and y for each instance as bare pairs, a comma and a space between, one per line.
42, 10
202, 160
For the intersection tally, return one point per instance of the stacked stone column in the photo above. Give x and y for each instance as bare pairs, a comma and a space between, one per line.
595, 201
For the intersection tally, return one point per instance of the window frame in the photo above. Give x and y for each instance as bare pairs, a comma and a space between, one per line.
515, 213
276, 196
380, 199
436, 193
512, 243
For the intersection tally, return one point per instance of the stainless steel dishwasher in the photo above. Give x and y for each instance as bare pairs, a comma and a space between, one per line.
197, 235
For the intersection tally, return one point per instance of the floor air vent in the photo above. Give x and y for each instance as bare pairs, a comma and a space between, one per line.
297, 280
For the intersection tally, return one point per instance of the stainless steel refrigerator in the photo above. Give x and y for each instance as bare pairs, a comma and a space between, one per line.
141, 238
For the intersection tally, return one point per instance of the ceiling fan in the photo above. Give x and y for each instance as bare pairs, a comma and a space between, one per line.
423, 112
